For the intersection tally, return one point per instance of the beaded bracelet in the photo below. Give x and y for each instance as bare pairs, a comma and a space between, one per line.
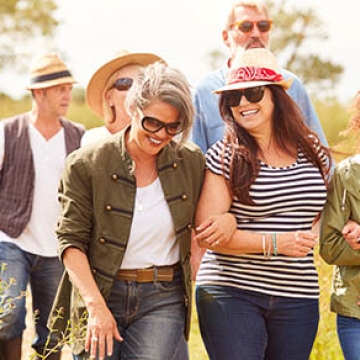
273, 237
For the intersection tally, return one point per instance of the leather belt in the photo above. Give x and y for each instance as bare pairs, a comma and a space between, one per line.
156, 273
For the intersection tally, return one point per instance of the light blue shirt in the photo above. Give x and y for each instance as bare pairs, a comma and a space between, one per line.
209, 126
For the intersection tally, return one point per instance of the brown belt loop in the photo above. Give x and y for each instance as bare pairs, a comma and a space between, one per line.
154, 274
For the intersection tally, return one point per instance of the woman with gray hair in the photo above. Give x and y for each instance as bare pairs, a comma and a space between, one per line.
128, 207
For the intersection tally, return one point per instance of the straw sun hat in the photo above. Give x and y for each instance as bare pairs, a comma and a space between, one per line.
97, 83
254, 67
49, 70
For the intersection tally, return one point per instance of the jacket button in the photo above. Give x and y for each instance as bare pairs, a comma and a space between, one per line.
108, 208
175, 165
94, 271
184, 197
114, 177
102, 241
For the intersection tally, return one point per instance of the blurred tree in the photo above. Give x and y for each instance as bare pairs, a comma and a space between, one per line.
295, 39
21, 21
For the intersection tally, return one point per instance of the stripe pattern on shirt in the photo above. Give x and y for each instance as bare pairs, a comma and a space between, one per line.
286, 199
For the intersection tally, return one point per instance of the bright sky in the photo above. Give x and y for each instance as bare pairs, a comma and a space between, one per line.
182, 32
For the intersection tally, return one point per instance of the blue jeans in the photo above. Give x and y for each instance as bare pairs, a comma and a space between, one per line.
150, 318
245, 325
348, 329
43, 274
182, 353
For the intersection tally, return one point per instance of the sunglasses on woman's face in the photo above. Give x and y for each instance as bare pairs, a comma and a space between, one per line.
233, 97
153, 125
123, 84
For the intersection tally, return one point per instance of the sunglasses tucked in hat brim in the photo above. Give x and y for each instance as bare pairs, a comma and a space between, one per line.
254, 67
97, 83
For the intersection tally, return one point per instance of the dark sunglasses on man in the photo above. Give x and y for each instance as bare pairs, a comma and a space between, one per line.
233, 97
247, 26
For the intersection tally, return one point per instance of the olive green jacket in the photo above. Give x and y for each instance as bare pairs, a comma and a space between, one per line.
343, 203
97, 194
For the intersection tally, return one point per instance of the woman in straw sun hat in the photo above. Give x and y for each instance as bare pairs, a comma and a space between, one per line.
257, 290
107, 90
128, 209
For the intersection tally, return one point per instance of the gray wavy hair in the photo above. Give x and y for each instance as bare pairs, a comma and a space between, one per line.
159, 82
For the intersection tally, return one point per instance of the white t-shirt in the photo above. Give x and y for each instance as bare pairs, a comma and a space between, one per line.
152, 238
95, 134
48, 155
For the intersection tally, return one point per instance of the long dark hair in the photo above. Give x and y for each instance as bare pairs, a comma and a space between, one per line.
289, 131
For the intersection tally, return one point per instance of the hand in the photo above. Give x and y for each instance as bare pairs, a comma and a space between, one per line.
351, 234
215, 231
296, 244
101, 331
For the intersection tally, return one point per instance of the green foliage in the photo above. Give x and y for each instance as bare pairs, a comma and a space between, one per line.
7, 304
21, 21
295, 30
80, 112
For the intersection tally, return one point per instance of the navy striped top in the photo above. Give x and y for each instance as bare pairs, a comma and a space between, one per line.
286, 199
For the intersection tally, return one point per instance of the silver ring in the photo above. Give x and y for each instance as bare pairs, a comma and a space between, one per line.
94, 338
217, 242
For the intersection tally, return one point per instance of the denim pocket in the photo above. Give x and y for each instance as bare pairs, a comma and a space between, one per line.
175, 284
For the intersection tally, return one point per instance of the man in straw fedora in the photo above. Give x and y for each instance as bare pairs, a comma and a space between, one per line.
33, 147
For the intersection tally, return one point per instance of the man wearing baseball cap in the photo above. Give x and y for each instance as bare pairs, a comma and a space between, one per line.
33, 147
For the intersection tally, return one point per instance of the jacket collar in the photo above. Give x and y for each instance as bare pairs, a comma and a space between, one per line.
349, 173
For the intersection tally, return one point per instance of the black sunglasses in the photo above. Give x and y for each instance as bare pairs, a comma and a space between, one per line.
246, 26
232, 98
123, 84
153, 125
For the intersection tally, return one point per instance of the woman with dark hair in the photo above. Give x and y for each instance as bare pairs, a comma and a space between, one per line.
257, 288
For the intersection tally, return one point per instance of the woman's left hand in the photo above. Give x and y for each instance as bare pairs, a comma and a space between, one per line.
351, 234
216, 231
101, 332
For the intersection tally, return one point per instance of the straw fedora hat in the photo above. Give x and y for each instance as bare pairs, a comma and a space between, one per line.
254, 67
49, 70
97, 83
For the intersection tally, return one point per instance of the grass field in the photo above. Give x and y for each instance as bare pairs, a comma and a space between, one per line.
326, 346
